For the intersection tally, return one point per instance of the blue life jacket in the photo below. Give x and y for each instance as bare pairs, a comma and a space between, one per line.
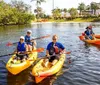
28, 40
88, 32
54, 48
21, 47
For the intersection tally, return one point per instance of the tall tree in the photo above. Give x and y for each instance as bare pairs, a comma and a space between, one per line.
73, 12
38, 2
88, 7
11, 15
20, 5
39, 12
94, 7
56, 12
81, 7
65, 11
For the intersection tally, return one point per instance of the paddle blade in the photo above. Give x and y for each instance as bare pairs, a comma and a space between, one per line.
42, 37
38, 50
68, 52
46, 36
9, 44
81, 37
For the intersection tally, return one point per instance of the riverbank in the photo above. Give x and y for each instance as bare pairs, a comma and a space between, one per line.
78, 20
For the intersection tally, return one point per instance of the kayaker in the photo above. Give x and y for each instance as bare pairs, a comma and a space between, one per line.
89, 33
54, 48
21, 50
90, 27
29, 41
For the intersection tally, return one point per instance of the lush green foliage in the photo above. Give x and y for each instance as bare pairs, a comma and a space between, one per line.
15, 13
94, 7
73, 12
81, 7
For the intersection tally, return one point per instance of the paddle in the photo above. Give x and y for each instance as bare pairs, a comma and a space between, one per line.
37, 50
4, 62
10, 44
46, 57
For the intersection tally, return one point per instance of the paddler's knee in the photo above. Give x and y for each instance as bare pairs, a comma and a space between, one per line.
54, 61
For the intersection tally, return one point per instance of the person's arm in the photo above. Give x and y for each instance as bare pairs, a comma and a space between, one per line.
63, 50
34, 42
26, 48
47, 53
92, 31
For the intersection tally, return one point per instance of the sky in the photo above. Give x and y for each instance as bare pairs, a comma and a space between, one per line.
48, 5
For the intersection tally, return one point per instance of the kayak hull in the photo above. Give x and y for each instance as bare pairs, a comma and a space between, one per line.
15, 68
96, 41
40, 72
97, 36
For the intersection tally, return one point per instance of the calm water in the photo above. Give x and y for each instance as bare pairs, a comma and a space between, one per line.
85, 66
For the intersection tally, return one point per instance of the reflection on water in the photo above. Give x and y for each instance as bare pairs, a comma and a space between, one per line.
85, 65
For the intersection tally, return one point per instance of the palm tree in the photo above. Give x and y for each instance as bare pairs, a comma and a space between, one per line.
38, 2
56, 13
94, 7
65, 11
88, 7
81, 7
38, 12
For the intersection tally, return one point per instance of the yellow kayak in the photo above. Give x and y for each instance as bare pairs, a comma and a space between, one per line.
40, 72
18, 66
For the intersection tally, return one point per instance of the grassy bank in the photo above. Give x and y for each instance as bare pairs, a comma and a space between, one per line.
72, 20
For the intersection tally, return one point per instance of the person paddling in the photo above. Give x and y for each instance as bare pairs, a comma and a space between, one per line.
29, 41
21, 50
53, 50
89, 34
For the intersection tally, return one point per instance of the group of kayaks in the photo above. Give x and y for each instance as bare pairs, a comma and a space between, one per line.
95, 41
39, 71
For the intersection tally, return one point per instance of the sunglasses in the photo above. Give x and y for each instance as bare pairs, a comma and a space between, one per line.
54, 39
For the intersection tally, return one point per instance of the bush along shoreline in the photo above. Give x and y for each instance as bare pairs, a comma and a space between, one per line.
15, 13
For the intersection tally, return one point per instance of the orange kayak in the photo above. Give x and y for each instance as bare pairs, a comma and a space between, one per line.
97, 36
41, 72
18, 66
95, 41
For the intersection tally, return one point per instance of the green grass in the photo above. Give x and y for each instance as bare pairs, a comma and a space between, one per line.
76, 20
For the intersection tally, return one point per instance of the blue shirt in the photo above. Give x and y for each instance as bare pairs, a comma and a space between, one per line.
59, 45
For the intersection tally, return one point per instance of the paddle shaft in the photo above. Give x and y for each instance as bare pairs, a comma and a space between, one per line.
37, 50
50, 55
8, 44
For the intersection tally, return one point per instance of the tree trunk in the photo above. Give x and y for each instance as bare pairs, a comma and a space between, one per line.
94, 12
